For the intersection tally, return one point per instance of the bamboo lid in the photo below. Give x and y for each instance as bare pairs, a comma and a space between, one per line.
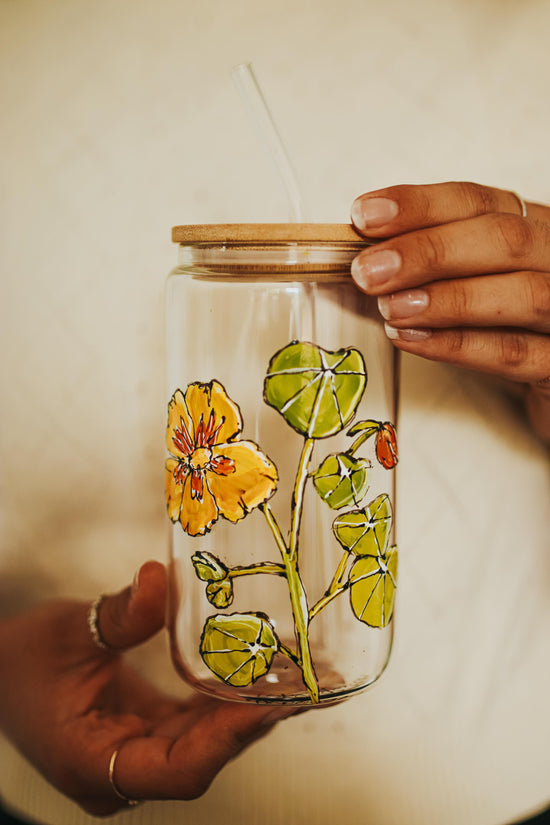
250, 233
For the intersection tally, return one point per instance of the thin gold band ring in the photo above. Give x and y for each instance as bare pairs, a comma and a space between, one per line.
113, 784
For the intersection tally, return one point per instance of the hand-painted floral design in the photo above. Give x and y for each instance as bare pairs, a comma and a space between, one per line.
211, 472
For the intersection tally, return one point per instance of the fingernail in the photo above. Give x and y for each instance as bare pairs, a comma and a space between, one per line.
375, 268
407, 334
403, 304
367, 213
135, 583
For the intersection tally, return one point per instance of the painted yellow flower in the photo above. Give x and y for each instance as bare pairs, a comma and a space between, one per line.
210, 471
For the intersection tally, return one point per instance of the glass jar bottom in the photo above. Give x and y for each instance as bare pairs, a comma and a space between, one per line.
283, 685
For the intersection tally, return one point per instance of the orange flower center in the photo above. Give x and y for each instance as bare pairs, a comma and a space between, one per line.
200, 458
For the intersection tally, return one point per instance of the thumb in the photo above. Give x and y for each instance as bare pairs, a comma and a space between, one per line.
136, 613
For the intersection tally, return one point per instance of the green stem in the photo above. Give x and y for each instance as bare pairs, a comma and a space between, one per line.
275, 529
262, 567
286, 651
301, 621
327, 598
296, 590
359, 441
298, 596
340, 572
298, 496
336, 587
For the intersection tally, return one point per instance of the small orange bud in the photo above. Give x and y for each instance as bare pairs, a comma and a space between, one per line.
386, 446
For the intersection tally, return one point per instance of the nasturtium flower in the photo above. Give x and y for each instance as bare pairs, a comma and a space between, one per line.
211, 472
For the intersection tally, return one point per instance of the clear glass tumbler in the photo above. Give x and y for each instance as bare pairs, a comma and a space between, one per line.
279, 482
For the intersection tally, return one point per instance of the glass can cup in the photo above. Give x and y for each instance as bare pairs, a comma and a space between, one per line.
281, 446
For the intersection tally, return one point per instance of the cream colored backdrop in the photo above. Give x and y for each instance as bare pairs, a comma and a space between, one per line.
120, 120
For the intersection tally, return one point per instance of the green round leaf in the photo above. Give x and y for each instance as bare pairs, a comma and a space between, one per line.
341, 480
316, 391
238, 648
373, 581
208, 568
366, 532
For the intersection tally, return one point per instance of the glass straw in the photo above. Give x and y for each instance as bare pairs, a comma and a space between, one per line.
255, 103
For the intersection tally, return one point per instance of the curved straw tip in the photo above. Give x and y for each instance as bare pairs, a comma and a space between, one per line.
248, 86
246, 66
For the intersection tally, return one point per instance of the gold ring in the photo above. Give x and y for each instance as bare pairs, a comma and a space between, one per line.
522, 204
114, 786
93, 619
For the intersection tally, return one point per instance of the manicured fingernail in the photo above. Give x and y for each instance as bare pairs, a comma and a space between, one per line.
403, 304
407, 334
375, 268
369, 213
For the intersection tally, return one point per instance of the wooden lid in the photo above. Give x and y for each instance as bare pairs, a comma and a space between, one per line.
250, 233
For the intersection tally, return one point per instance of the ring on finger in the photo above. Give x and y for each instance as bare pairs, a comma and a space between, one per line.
113, 784
522, 204
93, 624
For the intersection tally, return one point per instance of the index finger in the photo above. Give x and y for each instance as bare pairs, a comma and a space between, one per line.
487, 245
399, 209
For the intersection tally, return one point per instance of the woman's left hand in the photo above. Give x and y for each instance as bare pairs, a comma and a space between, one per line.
462, 276
73, 709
